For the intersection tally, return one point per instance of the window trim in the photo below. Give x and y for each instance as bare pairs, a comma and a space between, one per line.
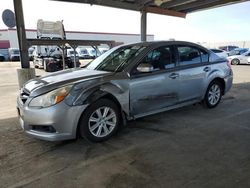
194, 64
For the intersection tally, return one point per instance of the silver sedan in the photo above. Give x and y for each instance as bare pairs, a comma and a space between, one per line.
240, 59
125, 83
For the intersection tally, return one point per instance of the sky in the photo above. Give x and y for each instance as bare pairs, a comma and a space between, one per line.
224, 24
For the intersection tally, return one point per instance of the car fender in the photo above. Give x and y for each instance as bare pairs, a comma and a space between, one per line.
115, 91
214, 74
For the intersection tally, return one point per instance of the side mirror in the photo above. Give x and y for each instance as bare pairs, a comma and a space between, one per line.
145, 67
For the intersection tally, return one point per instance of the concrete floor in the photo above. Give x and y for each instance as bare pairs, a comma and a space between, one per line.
188, 147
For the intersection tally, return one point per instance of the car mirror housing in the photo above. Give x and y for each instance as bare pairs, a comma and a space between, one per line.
145, 67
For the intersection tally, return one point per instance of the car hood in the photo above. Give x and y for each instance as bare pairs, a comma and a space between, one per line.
47, 83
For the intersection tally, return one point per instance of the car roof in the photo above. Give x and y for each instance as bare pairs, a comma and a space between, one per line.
215, 49
167, 42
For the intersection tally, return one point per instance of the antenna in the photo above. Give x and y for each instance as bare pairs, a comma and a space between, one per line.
8, 17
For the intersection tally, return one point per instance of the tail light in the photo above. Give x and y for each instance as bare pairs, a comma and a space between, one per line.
229, 64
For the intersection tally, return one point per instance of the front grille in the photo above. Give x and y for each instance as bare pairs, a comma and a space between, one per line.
24, 95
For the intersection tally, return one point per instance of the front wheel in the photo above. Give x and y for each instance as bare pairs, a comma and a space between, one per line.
213, 94
100, 121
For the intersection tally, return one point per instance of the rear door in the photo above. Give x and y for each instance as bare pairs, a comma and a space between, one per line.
193, 70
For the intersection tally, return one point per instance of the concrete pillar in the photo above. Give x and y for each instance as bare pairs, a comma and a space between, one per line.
24, 75
143, 26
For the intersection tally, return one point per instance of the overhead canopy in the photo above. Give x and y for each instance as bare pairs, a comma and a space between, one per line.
178, 8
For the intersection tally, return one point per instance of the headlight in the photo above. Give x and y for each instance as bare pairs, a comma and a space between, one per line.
50, 98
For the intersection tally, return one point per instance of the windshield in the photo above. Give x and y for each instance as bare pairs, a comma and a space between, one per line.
16, 52
72, 53
115, 59
84, 51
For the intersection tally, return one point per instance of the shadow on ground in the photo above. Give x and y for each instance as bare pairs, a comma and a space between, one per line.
187, 147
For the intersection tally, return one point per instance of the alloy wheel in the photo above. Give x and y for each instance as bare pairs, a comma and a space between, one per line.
102, 121
214, 94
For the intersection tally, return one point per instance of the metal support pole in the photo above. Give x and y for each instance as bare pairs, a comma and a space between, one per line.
74, 48
143, 25
23, 47
63, 57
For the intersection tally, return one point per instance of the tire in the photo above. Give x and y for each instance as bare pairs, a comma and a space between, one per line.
213, 94
235, 62
93, 118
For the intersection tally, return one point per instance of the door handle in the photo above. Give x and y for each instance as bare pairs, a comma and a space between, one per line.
207, 69
174, 75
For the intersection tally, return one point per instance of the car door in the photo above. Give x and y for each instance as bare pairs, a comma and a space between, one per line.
248, 57
193, 70
156, 87
245, 58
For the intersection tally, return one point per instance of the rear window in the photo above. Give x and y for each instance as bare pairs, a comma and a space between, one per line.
216, 51
189, 55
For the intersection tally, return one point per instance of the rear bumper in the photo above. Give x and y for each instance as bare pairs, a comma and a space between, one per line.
15, 58
63, 120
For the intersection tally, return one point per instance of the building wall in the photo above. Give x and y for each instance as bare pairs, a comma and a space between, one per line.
11, 35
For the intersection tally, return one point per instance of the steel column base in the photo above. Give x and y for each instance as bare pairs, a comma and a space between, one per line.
24, 75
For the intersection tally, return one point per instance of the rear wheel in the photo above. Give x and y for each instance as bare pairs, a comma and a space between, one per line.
100, 121
213, 94
235, 62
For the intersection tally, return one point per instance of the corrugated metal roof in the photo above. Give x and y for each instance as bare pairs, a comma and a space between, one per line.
177, 8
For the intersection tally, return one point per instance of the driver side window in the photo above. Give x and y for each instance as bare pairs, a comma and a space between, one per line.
159, 59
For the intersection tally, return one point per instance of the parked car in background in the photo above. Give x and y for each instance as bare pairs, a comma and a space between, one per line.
238, 51
14, 54
41, 52
94, 53
55, 63
220, 53
83, 53
30, 51
2, 58
4, 54
125, 83
72, 55
240, 59
228, 48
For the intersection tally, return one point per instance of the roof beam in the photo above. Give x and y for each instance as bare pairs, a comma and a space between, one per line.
213, 5
184, 7
166, 12
49, 42
174, 3
108, 3
131, 6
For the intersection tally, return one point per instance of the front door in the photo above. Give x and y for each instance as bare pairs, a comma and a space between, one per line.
155, 88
